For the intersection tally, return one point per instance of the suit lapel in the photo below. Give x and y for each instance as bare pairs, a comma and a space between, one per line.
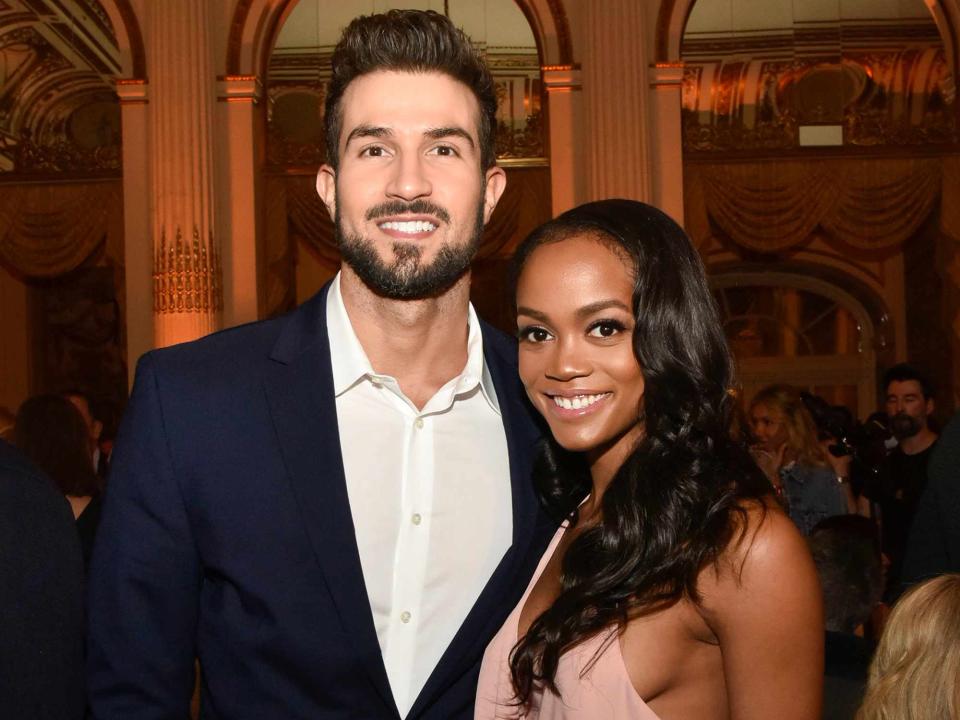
531, 533
299, 387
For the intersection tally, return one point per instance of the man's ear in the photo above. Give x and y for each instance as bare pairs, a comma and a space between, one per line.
495, 184
327, 188
931, 406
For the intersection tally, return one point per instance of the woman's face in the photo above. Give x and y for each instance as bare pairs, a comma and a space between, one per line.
575, 322
768, 427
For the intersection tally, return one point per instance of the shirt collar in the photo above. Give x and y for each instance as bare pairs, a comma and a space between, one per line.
350, 364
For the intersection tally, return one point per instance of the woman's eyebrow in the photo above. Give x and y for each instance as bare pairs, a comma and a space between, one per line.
599, 305
585, 311
530, 312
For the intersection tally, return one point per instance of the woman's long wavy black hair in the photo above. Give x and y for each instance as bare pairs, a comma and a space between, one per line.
680, 498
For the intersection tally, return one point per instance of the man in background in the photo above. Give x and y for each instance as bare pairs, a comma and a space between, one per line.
909, 405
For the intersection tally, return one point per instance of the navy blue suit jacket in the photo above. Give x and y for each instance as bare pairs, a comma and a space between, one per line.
227, 535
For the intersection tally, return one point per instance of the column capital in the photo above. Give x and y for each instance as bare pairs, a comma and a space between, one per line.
239, 89
666, 74
132, 91
561, 78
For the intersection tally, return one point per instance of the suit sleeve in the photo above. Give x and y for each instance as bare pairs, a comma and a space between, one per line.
145, 575
927, 553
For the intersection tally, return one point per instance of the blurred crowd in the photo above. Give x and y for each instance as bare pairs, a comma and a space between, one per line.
877, 499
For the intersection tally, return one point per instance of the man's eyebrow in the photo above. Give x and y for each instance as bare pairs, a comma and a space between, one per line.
368, 131
445, 132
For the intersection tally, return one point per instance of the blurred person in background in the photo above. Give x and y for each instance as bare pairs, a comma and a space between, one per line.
81, 401
51, 432
915, 671
790, 455
41, 597
6, 424
846, 551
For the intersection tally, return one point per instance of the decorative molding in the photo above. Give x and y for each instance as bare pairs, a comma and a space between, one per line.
235, 41
132, 91
666, 74
186, 276
560, 22
239, 89
138, 54
562, 78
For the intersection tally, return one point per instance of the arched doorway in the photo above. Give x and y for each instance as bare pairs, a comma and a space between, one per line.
797, 329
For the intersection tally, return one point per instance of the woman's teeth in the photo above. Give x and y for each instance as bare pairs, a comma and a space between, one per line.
411, 227
578, 402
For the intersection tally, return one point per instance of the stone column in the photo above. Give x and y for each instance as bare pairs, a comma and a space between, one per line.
666, 145
565, 115
186, 274
616, 94
239, 221
137, 222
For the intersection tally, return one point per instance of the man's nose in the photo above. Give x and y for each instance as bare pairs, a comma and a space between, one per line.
409, 180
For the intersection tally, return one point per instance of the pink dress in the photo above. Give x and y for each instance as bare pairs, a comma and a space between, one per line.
602, 691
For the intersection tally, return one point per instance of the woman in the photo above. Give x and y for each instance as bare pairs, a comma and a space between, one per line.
915, 671
674, 588
795, 462
52, 433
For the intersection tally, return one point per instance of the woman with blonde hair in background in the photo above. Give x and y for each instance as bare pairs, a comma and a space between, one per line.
915, 671
793, 459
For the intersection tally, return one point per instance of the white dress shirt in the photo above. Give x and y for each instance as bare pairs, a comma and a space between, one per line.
429, 494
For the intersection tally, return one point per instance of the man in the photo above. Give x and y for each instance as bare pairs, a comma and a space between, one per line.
332, 510
909, 405
41, 596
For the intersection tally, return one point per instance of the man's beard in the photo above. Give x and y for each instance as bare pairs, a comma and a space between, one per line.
406, 278
904, 426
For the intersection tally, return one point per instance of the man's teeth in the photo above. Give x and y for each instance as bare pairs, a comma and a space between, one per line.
411, 226
578, 402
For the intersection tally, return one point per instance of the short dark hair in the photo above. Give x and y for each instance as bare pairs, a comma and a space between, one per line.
903, 372
52, 433
846, 551
414, 41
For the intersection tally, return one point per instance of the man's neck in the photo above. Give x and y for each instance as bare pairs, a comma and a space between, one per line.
420, 343
919, 442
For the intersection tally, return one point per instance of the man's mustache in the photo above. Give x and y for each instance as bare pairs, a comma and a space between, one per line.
414, 207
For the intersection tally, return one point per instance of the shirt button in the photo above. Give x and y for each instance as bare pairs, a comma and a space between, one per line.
404, 617
418, 423
416, 519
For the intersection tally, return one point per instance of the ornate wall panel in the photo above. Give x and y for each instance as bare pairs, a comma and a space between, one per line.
58, 109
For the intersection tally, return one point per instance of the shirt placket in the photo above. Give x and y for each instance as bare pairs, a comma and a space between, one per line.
410, 563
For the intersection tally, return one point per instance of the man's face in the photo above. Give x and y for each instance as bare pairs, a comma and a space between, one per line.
409, 199
907, 408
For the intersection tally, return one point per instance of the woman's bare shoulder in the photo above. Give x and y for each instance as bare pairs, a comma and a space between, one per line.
766, 557
762, 600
